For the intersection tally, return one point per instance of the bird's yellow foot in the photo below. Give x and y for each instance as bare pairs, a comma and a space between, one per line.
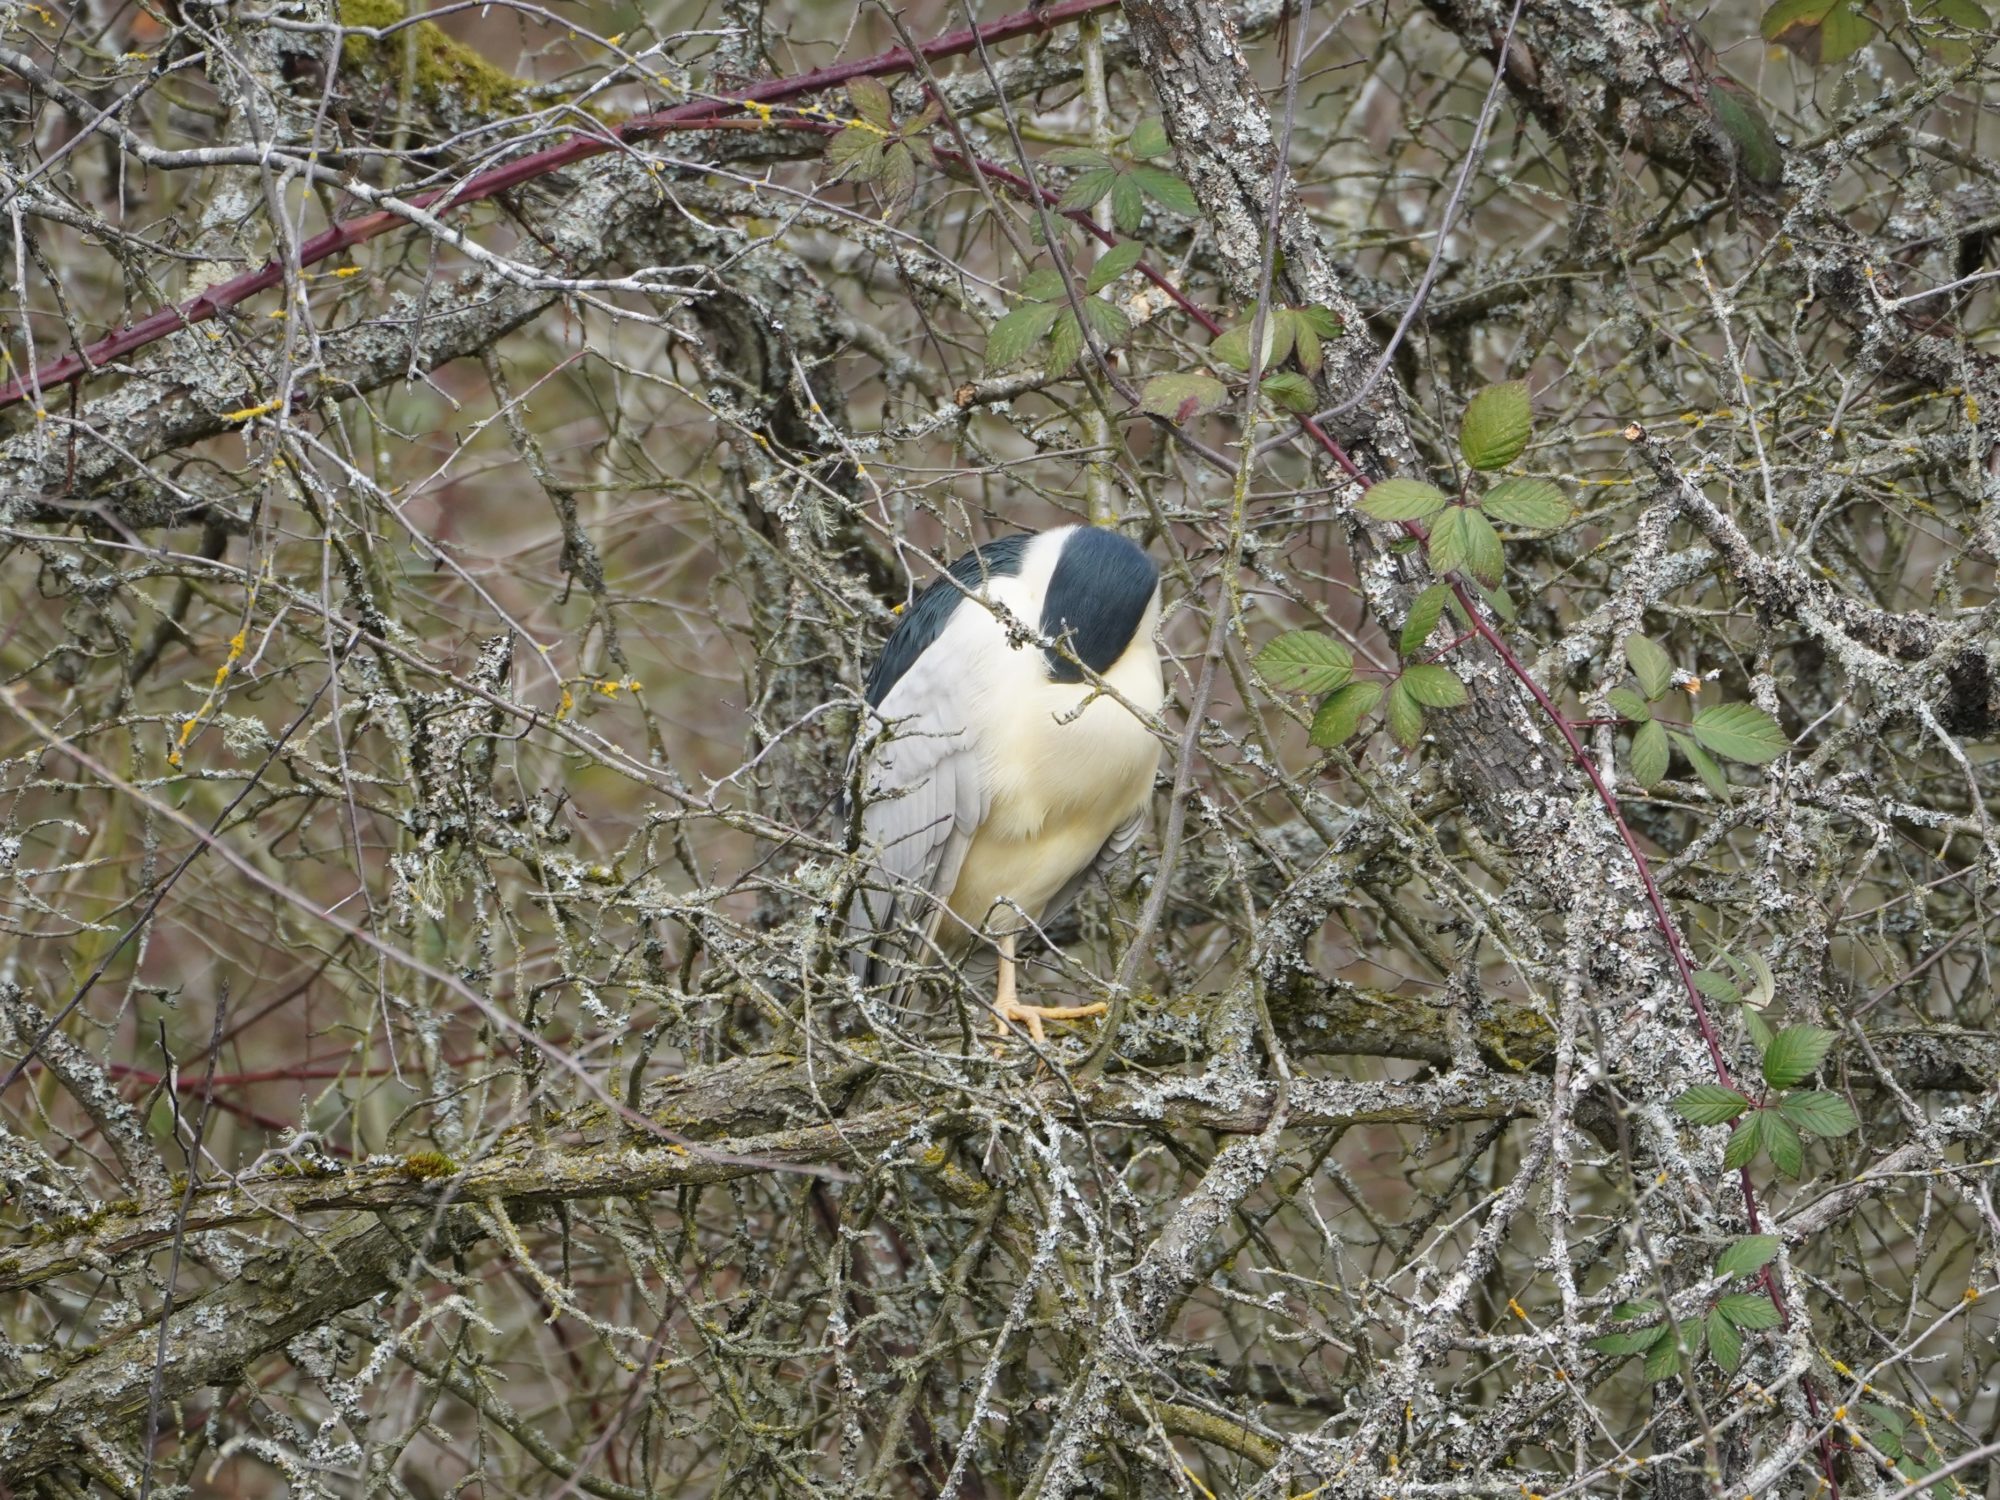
1006, 1009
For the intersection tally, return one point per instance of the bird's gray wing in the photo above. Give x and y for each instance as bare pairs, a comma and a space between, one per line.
1123, 837
925, 795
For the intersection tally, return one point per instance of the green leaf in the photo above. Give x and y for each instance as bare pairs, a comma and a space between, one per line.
871, 101
1086, 190
1533, 504
1635, 1341
1844, 32
1082, 158
1652, 666
1291, 391
1781, 1140
1795, 1054
1433, 686
1759, 157
1065, 343
1495, 427
1740, 731
1342, 713
1725, 1344
1709, 772
1449, 546
1718, 986
1820, 31
1649, 755
1915, 1473
1044, 284
1424, 613
1182, 398
1626, 1311
1759, 1029
1305, 661
1403, 500
1112, 264
1888, 1425
1941, 22
1233, 347
1149, 138
1406, 717
1664, 1358
1128, 204
1766, 988
1107, 320
1485, 557
899, 172
1819, 1112
1167, 190
1748, 1255
1018, 332
1323, 321
1709, 1104
856, 151
1306, 344
1749, 1310
1628, 705
1744, 1142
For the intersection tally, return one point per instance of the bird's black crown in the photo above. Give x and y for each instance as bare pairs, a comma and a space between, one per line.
1098, 594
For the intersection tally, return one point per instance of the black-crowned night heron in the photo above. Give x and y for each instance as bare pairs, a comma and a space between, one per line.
999, 772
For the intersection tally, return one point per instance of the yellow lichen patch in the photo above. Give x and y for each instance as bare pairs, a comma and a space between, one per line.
237, 643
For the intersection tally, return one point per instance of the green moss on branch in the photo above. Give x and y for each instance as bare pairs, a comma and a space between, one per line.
450, 78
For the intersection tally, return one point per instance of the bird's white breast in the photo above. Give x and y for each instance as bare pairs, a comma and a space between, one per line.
1065, 763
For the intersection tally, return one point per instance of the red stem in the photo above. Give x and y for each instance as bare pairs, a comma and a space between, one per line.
351, 232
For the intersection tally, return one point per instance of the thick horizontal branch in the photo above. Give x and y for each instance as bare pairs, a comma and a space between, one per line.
767, 1109
424, 1205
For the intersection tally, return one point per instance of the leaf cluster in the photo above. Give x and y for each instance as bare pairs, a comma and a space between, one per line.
1045, 314
1889, 1432
1130, 177
1772, 1126
875, 148
1740, 732
1668, 1347
1305, 661
1297, 334
1461, 537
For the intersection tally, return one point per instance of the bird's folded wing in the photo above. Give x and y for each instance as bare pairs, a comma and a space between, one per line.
926, 796
1123, 837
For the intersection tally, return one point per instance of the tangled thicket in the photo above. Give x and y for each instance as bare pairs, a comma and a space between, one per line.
430, 642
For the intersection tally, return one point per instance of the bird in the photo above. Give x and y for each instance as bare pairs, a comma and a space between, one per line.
1005, 751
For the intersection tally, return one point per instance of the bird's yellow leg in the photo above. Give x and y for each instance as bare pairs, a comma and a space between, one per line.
1007, 1008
